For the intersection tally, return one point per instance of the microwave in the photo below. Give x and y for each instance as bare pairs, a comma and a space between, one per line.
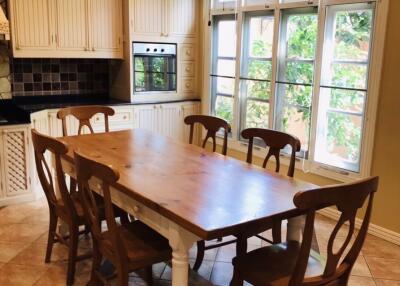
154, 67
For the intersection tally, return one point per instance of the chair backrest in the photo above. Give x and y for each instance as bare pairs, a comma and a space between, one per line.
212, 125
276, 141
41, 144
348, 199
86, 169
83, 114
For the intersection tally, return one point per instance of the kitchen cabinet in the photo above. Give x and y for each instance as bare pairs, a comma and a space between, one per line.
67, 28
165, 18
15, 166
166, 119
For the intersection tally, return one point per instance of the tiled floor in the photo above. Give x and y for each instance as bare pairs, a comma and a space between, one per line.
23, 231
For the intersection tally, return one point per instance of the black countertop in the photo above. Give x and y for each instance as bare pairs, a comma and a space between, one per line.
18, 110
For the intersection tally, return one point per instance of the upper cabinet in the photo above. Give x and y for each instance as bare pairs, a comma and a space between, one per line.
165, 18
67, 28
32, 25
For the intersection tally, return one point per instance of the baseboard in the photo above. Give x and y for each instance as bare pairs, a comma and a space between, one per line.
373, 229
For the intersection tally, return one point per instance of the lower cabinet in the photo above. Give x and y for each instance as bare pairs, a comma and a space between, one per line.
15, 165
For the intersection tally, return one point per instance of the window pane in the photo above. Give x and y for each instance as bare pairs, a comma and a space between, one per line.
301, 36
257, 114
346, 100
340, 126
256, 89
139, 81
227, 38
299, 72
259, 69
349, 75
224, 108
353, 35
261, 36
293, 114
225, 85
226, 68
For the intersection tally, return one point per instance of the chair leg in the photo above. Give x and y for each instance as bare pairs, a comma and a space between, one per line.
149, 275
277, 231
241, 246
123, 277
50, 239
72, 253
201, 245
236, 279
96, 264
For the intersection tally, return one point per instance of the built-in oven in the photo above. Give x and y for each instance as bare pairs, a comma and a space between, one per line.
154, 67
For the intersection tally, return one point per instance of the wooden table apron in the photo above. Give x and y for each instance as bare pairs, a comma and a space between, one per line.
186, 193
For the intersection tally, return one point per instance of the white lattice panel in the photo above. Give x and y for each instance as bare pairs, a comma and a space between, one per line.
15, 159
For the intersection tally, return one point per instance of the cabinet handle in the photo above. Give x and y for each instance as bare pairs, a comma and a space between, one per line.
124, 117
155, 106
187, 85
188, 69
93, 49
188, 52
161, 107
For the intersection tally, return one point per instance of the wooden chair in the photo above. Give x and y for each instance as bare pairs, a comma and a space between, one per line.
83, 114
128, 247
275, 141
68, 208
290, 263
212, 125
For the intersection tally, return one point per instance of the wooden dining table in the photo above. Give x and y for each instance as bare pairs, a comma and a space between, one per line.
187, 193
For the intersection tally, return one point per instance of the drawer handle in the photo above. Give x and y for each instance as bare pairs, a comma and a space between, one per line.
188, 52
187, 69
124, 117
187, 85
136, 209
97, 118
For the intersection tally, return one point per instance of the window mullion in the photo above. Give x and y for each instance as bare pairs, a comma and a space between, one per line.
275, 46
317, 80
236, 99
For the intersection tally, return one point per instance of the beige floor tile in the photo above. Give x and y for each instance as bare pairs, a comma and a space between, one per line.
35, 254
361, 268
22, 232
9, 250
383, 268
361, 281
222, 273
20, 275
382, 282
376, 247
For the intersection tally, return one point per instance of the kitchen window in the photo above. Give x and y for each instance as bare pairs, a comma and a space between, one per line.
300, 68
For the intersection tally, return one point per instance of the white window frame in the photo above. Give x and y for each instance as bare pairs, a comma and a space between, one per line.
376, 62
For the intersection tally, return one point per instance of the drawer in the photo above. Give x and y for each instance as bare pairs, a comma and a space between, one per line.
187, 69
188, 52
120, 116
188, 85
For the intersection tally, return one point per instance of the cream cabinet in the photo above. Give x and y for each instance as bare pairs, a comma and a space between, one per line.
67, 28
15, 165
166, 119
165, 18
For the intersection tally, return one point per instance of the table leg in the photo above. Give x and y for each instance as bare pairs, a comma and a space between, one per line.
295, 228
180, 241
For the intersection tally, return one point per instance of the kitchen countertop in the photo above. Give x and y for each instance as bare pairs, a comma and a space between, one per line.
18, 110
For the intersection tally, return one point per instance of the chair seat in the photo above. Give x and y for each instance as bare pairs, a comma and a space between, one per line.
274, 265
144, 245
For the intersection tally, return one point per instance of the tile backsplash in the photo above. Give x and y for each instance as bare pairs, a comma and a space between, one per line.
59, 76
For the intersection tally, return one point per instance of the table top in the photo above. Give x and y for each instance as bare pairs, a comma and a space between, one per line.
208, 194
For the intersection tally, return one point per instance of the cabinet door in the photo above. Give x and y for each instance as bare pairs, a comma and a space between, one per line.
72, 26
106, 26
15, 162
182, 17
146, 117
32, 24
171, 121
148, 17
